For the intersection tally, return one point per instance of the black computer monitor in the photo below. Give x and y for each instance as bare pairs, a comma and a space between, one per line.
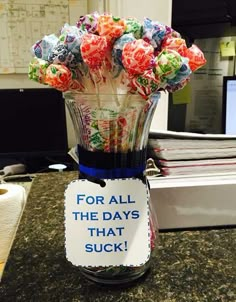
32, 123
229, 105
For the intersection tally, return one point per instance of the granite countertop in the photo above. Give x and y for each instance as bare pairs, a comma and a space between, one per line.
197, 265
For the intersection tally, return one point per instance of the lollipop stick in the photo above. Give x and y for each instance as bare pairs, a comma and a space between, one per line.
97, 94
107, 74
113, 90
96, 79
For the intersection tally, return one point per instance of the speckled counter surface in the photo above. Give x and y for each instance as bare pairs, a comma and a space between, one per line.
189, 265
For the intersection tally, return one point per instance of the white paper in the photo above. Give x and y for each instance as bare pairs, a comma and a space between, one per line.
22, 23
107, 226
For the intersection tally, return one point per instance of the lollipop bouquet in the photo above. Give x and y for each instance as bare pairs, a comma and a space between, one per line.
111, 71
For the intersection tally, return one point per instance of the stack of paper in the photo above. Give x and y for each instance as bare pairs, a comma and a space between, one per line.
184, 153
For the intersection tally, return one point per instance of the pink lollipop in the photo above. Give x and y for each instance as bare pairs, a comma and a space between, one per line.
196, 57
137, 56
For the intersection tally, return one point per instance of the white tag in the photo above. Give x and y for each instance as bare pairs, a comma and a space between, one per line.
107, 226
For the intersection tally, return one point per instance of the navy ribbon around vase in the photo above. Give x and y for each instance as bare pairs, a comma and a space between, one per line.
98, 165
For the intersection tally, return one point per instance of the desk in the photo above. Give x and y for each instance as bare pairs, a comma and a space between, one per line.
189, 265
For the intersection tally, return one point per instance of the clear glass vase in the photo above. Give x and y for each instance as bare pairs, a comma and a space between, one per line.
112, 134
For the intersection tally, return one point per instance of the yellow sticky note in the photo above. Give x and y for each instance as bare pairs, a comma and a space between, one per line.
227, 49
182, 96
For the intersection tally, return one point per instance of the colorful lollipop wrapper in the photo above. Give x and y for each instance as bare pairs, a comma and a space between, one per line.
137, 56
168, 63
58, 76
153, 33
117, 52
43, 48
195, 56
146, 83
61, 55
170, 32
134, 26
89, 22
183, 73
69, 29
110, 27
106, 53
73, 41
174, 88
176, 44
37, 70
93, 49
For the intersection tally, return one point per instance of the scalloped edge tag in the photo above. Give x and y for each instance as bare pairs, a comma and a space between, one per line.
107, 226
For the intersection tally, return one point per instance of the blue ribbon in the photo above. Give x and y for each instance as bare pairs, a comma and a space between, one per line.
112, 173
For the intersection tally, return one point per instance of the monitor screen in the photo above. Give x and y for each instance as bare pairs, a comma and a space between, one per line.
229, 105
32, 122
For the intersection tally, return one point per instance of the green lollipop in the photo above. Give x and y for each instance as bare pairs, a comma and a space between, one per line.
37, 70
168, 63
135, 27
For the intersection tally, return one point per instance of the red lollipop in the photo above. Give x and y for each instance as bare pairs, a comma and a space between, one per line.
137, 56
93, 49
195, 56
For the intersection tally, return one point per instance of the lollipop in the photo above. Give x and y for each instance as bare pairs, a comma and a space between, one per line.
153, 33
93, 49
43, 48
168, 63
88, 22
183, 73
146, 83
117, 52
137, 56
72, 38
170, 32
61, 55
196, 57
134, 26
110, 27
58, 76
176, 44
37, 70
176, 87
67, 28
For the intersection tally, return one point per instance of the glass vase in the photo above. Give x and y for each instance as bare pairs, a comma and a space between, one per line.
112, 134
